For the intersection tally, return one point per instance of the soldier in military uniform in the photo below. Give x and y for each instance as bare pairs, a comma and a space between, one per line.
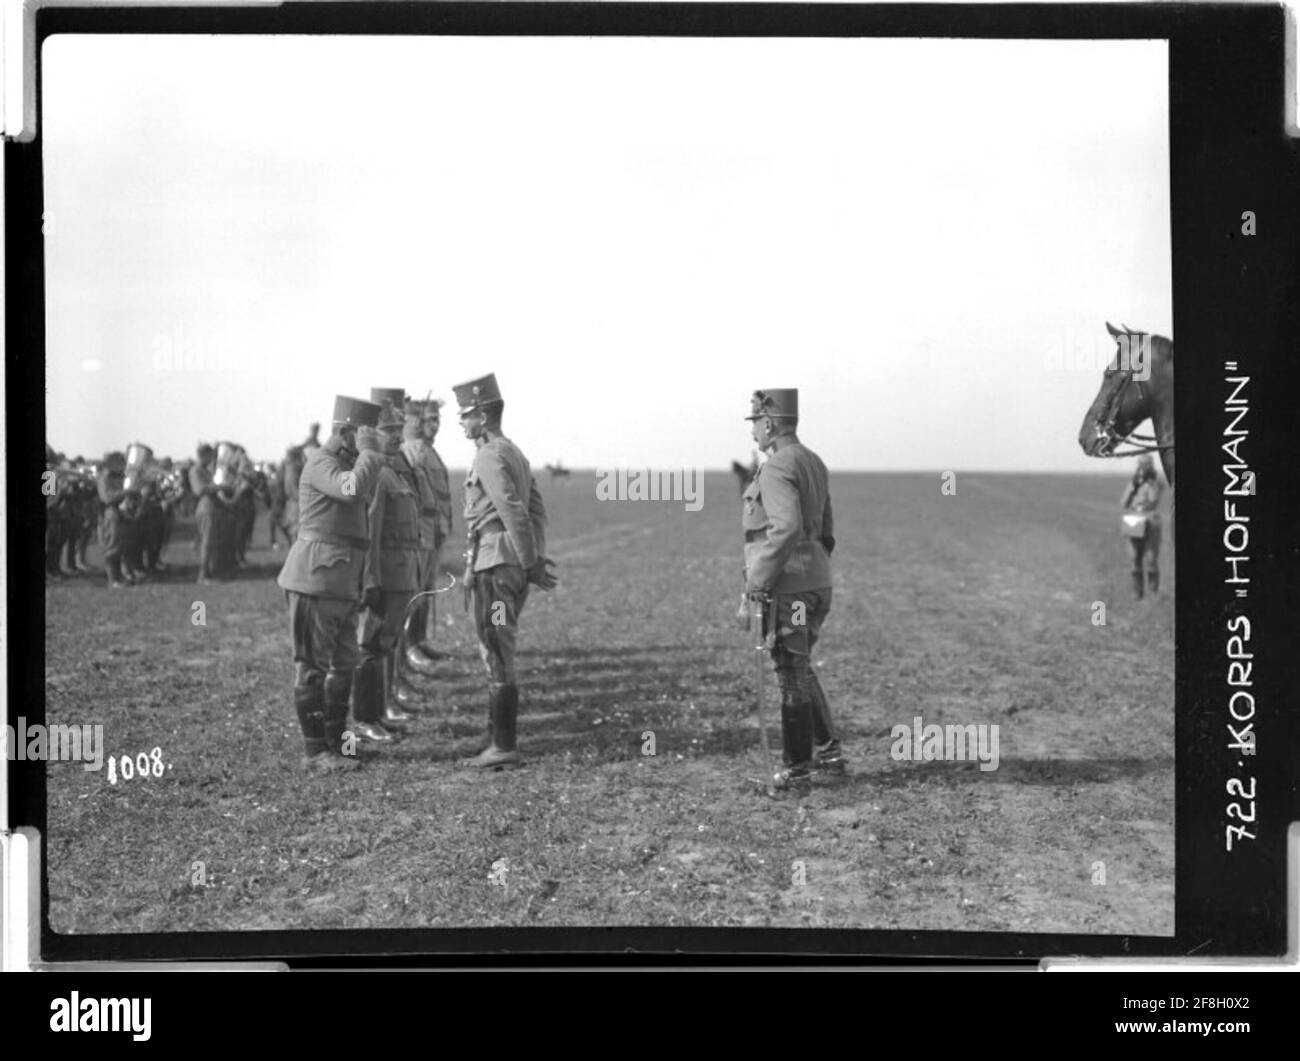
209, 499
505, 522
1142, 496
152, 525
117, 526
422, 422
390, 579
788, 542
57, 515
322, 579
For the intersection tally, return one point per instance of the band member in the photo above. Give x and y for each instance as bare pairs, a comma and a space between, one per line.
1142, 499
80, 513
322, 580
505, 522
87, 505
423, 420
152, 525
117, 525
390, 579
243, 506
788, 541
57, 514
209, 503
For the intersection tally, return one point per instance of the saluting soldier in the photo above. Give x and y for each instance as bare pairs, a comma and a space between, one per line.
322, 579
788, 541
505, 522
423, 420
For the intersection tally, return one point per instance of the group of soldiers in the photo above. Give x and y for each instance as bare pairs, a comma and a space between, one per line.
374, 511
368, 513
131, 512
131, 502
374, 514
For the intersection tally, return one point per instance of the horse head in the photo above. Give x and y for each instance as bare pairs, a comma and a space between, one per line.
1137, 384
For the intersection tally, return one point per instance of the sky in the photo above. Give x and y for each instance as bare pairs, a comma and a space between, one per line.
926, 237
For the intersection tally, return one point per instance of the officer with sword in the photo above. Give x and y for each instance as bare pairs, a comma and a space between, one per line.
788, 533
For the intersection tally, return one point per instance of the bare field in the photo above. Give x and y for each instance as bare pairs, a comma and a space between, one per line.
975, 608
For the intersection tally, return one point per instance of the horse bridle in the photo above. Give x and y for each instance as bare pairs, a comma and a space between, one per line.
1141, 443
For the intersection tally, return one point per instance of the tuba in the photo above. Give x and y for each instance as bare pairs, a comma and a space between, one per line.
139, 465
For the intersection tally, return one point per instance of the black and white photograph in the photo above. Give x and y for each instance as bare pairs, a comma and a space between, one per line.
608, 481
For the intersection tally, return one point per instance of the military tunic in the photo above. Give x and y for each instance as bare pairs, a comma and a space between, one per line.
434, 487
788, 529
323, 573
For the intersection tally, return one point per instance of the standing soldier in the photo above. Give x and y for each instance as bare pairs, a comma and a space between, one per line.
322, 580
788, 542
505, 523
208, 497
1141, 503
390, 578
117, 527
87, 504
152, 526
422, 422
57, 515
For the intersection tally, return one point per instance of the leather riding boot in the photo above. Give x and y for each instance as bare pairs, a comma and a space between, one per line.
1137, 583
392, 716
503, 703
796, 729
829, 757
1153, 582
337, 686
309, 702
413, 627
367, 688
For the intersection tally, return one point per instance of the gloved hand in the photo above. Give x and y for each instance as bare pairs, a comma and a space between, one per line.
369, 440
539, 576
744, 614
828, 543
372, 598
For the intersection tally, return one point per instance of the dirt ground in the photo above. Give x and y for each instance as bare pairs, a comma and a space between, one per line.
973, 608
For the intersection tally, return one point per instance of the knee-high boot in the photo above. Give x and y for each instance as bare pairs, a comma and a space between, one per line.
503, 704
829, 756
367, 688
309, 703
392, 716
338, 684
